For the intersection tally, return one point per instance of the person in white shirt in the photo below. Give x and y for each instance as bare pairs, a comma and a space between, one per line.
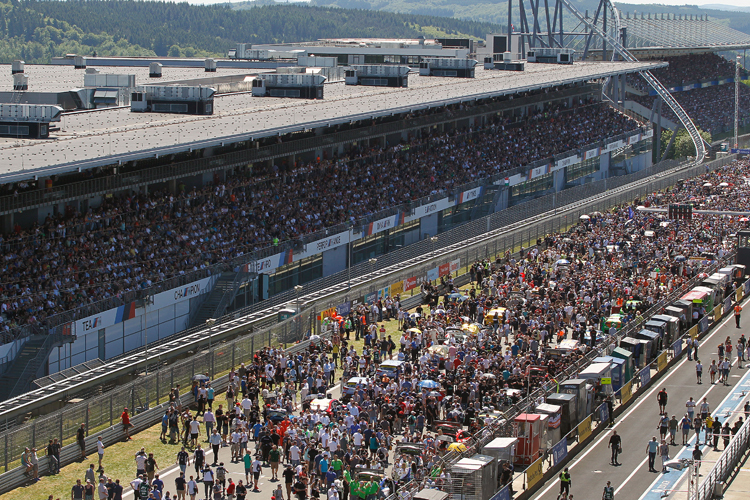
192, 488
294, 452
333, 493
100, 451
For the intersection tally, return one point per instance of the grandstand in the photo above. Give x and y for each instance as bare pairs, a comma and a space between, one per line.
111, 201
698, 76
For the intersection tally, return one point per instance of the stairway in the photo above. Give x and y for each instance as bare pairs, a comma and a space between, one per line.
24, 369
218, 300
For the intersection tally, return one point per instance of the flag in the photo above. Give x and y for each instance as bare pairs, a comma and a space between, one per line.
630, 212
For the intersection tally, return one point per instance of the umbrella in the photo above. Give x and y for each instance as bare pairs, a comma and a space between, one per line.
562, 262
489, 375
724, 184
596, 214
703, 275
744, 219
434, 394
428, 384
584, 217
460, 447
414, 330
707, 185
201, 377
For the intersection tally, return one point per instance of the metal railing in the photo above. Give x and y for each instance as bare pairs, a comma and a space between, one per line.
728, 461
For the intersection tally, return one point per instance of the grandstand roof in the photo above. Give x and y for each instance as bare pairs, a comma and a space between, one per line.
687, 32
103, 137
62, 78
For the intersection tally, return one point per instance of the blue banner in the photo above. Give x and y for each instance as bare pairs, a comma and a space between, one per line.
742, 151
603, 413
503, 494
645, 375
344, 309
677, 347
433, 274
703, 324
728, 303
747, 287
560, 451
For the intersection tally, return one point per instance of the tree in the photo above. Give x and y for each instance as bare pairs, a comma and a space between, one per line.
683, 145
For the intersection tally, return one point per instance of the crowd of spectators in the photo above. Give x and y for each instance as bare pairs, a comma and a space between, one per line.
710, 108
133, 241
686, 69
277, 412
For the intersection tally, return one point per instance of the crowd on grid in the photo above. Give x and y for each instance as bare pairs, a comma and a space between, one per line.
132, 241
710, 108
277, 413
686, 69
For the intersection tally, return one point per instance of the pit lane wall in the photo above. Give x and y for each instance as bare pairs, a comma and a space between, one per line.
123, 329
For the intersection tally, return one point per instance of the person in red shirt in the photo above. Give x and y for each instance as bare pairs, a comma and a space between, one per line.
126, 425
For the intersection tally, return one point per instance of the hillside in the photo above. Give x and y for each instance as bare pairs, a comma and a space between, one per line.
38, 30
497, 11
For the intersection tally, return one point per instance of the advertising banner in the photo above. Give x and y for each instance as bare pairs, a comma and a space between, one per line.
591, 153
566, 162
677, 347
455, 265
646, 375
433, 274
603, 413
470, 195
381, 225
410, 283
661, 361
429, 209
344, 309
397, 288
503, 494
626, 392
584, 429
444, 269
534, 473
560, 451
319, 246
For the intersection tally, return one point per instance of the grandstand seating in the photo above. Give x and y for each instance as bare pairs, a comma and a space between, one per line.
711, 108
133, 241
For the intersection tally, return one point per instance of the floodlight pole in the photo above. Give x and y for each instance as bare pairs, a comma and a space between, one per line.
736, 101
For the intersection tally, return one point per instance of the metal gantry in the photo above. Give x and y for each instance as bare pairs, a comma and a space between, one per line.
607, 31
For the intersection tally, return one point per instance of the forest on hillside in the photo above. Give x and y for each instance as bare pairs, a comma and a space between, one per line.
39, 30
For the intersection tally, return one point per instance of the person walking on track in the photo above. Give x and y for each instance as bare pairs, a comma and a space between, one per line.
737, 312
662, 399
609, 492
651, 450
615, 442
565, 481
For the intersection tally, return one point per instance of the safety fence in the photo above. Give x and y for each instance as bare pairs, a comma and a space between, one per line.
724, 467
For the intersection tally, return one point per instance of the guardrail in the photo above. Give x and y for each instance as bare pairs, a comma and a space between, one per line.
727, 463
